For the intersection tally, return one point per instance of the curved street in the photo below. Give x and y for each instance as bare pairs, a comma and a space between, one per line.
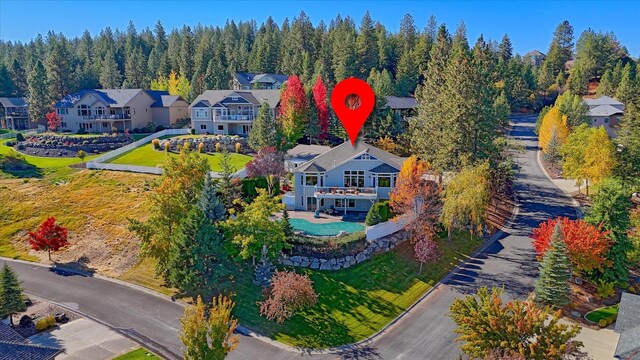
425, 332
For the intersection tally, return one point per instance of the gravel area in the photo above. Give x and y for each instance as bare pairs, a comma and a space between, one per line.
37, 310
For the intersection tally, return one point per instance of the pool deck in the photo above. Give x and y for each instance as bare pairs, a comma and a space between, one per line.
308, 215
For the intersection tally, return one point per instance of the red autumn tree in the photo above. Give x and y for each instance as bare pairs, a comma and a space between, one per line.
322, 108
294, 111
417, 196
53, 121
290, 292
268, 163
48, 237
426, 250
587, 245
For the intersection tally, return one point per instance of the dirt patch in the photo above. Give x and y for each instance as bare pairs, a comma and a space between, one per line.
39, 309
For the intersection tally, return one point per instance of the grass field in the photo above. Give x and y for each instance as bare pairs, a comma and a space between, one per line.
602, 313
138, 354
146, 155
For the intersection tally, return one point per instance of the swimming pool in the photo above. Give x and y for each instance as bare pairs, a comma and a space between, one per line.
325, 229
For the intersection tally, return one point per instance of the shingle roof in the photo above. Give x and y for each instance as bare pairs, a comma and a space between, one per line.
245, 78
113, 97
162, 98
14, 347
7, 334
400, 103
604, 110
344, 152
534, 53
13, 101
384, 168
257, 97
602, 100
628, 325
306, 152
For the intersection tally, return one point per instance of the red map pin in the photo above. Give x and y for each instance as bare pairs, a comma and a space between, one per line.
354, 115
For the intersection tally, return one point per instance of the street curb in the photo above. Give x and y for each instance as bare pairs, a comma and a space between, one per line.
574, 202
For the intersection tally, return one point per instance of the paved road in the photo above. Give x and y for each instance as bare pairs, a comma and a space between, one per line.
426, 333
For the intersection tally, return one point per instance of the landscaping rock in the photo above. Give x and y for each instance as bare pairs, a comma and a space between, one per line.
325, 266
61, 318
315, 265
295, 259
361, 257
25, 321
336, 267
576, 314
286, 262
578, 280
305, 262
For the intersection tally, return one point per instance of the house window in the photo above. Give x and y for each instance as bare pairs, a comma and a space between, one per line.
365, 156
202, 113
203, 126
234, 98
341, 203
84, 110
606, 120
354, 178
311, 180
104, 125
220, 127
384, 180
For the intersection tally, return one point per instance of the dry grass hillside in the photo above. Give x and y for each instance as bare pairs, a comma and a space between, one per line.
93, 205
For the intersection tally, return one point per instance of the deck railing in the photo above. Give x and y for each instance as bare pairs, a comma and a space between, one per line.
346, 191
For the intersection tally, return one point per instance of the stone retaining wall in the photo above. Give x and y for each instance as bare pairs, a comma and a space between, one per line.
379, 245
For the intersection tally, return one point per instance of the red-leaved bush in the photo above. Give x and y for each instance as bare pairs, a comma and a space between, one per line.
587, 245
290, 292
48, 237
426, 250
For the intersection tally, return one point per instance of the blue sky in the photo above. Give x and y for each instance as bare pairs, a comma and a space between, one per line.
530, 24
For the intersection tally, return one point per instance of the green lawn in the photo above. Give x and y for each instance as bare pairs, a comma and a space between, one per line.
42, 165
146, 155
602, 313
137, 354
353, 303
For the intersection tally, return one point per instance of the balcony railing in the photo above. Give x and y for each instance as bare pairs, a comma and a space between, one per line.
346, 192
249, 117
107, 117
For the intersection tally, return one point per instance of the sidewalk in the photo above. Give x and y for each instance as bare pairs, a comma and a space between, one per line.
85, 339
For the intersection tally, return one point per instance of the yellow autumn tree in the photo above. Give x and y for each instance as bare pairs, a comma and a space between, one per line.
599, 155
554, 130
175, 84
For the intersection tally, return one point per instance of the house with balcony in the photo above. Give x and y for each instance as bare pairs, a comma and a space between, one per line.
346, 178
605, 111
14, 113
230, 112
100, 110
250, 81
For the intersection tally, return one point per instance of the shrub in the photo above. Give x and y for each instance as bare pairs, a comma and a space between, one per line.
81, 131
201, 147
20, 147
19, 137
193, 131
95, 141
10, 143
218, 147
159, 128
602, 323
326, 247
238, 147
45, 323
250, 186
86, 142
150, 127
290, 293
167, 146
605, 289
114, 130
156, 144
378, 213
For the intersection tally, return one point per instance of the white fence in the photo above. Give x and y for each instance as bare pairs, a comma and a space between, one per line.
11, 135
115, 153
388, 227
123, 167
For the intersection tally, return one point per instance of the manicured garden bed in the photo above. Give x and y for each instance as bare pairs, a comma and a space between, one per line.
146, 155
63, 145
602, 313
353, 303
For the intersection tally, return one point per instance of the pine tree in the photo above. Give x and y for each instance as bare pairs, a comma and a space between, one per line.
628, 145
19, 77
505, 50
262, 132
367, 49
134, 69
7, 86
286, 224
110, 76
407, 75
210, 204
11, 301
606, 86
552, 287
38, 93
58, 65
627, 90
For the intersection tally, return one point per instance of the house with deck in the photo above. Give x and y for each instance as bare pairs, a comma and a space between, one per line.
605, 111
628, 326
250, 81
345, 178
14, 113
230, 112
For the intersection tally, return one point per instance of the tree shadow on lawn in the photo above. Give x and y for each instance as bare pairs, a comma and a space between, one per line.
17, 166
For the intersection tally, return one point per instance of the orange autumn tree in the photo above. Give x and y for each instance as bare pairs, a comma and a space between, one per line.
587, 245
554, 128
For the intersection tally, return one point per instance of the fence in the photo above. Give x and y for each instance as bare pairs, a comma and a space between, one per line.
388, 227
123, 167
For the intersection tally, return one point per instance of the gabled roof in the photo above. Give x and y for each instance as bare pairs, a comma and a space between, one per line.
256, 97
401, 103
14, 347
385, 169
201, 103
113, 97
602, 100
534, 53
604, 110
345, 152
628, 325
245, 78
13, 101
161, 98
306, 152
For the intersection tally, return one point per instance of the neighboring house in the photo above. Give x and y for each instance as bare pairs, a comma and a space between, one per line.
230, 112
628, 326
99, 110
301, 154
14, 114
535, 57
403, 107
167, 109
251, 81
14, 347
605, 111
346, 178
